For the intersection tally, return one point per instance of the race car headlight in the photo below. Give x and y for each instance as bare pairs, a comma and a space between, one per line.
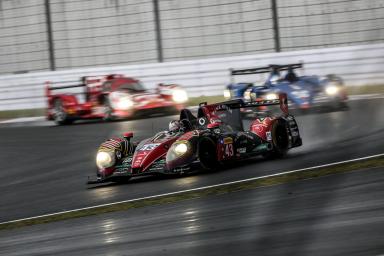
179, 96
178, 149
247, 95
271, 96
331, 89
120, 100
124, 103
227, 94
105, 159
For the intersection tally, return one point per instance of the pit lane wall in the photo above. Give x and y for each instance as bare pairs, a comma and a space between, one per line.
358, 65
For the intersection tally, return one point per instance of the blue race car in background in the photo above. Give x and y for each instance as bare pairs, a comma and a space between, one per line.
303, 91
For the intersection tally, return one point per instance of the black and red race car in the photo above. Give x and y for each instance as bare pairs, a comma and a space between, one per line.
216, 136
111, 96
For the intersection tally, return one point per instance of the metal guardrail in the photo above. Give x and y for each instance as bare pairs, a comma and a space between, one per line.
358, 65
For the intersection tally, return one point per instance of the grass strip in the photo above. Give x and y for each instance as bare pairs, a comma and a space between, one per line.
217, 190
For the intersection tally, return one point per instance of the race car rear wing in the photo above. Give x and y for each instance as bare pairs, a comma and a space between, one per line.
49, 88
261, 70
86, 81
239, 103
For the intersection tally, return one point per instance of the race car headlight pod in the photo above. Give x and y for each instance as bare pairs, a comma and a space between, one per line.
331, 89
227, 94
178, 149
179, 96
271, 96
105, 159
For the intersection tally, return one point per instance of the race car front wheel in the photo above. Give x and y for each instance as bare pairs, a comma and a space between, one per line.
207, 154
60, 115
280, 140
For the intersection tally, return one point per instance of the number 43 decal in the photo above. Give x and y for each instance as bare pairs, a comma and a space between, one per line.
228, 150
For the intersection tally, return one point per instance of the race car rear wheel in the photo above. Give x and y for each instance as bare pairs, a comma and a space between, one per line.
207, 153
60, 115
280, 140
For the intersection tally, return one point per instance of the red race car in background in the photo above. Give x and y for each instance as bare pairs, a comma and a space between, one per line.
112, 96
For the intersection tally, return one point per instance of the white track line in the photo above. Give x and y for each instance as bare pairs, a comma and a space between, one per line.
193, 189
24, 120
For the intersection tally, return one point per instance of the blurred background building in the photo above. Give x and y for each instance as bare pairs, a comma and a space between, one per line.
40, 35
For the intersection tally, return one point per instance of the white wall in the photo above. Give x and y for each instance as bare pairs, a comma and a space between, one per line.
358, 65
309, 24
196, 29
90, 33
23, 37
104, 32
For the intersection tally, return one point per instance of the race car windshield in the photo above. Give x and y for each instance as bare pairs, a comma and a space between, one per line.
137, 87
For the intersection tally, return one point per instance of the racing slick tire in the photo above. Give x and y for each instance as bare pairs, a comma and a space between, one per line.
280, 140
207, 154
60, 116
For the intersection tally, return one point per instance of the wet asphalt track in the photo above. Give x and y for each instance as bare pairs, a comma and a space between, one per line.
44, 168
333, 215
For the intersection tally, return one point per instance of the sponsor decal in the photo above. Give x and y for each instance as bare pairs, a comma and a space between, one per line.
261, 147
269, 136
228, 140
213, 121
196, 133
120, 171
147, 147
201, 121
222, 107
127, 160
241, 150
262, 102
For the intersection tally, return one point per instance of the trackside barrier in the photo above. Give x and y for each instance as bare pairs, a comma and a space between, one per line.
358, 65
